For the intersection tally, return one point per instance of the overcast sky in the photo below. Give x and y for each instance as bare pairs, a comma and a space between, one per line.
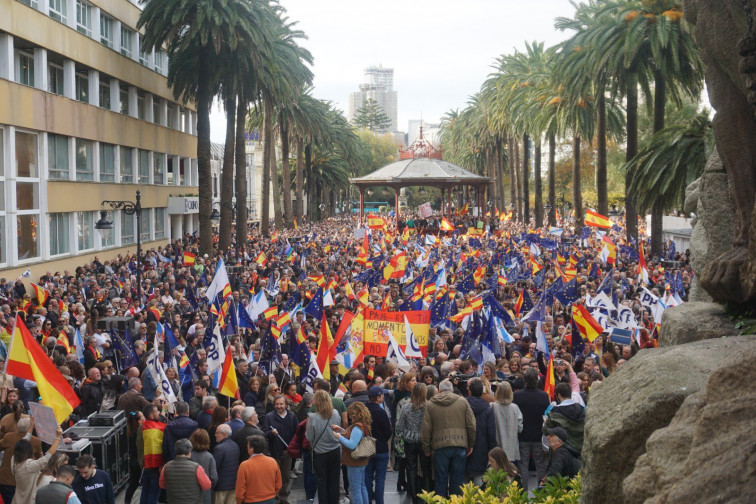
441, 50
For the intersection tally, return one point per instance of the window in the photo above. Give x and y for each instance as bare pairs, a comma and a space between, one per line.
144, 53
25, 68
55, 79
57, 157
156, 109
3, 256
159, 61
159, 223
146, 224
60, 224
127, 228
84, 18
144, 167
123, 96
82, 87
105, 92
157, 170
106, 31
85, 230
26, 155
171, 119
57, 10
126, 41
140, 106
30, 3
84, 168
127, 168
28, 236
107, 162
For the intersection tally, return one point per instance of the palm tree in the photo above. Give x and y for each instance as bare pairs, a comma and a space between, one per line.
194, 33
674, 157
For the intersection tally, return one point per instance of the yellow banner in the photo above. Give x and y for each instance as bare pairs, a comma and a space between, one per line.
380, 324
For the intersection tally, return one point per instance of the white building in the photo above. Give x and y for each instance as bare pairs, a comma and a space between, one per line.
378, 86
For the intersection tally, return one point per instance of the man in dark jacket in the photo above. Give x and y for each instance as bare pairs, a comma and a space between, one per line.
226, 456
250, 428
532, 403
92, 392
180, 427
570, 416
359, 393
485, 437
280, 425
562, 462
375, 471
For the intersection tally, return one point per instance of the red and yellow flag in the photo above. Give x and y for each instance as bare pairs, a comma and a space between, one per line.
189, 258
270, 312
585, 323
376, 222
323, 357
549, 384
597, 220
41, 294
446, 225
518, 304
152, 434
26, 359
228, 386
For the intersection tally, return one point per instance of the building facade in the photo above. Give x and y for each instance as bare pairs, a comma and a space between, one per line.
379, 86
86, 115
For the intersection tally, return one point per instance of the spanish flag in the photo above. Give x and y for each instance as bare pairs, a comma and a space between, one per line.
261, 259
228, 386
549, 384
41, 293
585, 323
376, 222
597, 220
461, 314
270, 312
63, 341
152, 434
189, 259
502, 280
323, 356
349, 292
26, 359
364, 295
518, 304
477, 303
318, 279
446, 225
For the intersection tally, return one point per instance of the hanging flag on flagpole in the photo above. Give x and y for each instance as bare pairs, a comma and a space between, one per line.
228, 385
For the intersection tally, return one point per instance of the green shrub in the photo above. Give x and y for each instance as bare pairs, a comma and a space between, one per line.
499, 490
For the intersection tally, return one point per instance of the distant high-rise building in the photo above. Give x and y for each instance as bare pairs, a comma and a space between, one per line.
379, 86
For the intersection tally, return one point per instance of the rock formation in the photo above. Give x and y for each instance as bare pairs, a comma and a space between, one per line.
719, 25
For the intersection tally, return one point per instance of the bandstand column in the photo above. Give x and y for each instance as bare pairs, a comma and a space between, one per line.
362, 203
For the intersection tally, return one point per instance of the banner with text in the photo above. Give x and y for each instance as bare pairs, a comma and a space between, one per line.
379, 324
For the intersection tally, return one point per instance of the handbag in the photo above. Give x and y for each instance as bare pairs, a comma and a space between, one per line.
365, 448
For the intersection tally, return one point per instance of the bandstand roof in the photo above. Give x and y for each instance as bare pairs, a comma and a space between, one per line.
421, 171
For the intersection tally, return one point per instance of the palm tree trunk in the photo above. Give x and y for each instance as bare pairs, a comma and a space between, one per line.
657, 209
265, 189
490, 172
525, 178
275, 189
511, 163
552, 179
537, 187
577, 196
300, 179
518, 176
631, 214
204, 100
499, 167
227, 177
601, 183
241, 174
311, 200
286, 168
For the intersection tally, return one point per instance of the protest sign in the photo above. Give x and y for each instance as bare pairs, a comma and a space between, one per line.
425, 210
44, 422
380, 324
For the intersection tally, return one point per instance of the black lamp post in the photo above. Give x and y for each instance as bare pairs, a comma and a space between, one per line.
105, 227
215, 214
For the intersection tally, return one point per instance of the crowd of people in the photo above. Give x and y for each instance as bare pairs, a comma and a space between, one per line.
464, 406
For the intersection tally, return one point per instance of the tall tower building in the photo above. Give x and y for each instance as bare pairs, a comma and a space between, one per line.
379, 86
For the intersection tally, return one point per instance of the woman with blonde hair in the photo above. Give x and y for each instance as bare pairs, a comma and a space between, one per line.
361, 420
325, 449
508, 421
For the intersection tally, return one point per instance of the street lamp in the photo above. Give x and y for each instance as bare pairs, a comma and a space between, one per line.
614, 214
105, 227
370, 192
215, 214
421, 192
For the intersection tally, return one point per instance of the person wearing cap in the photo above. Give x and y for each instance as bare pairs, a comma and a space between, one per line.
375, 471
568, 414
561, 460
